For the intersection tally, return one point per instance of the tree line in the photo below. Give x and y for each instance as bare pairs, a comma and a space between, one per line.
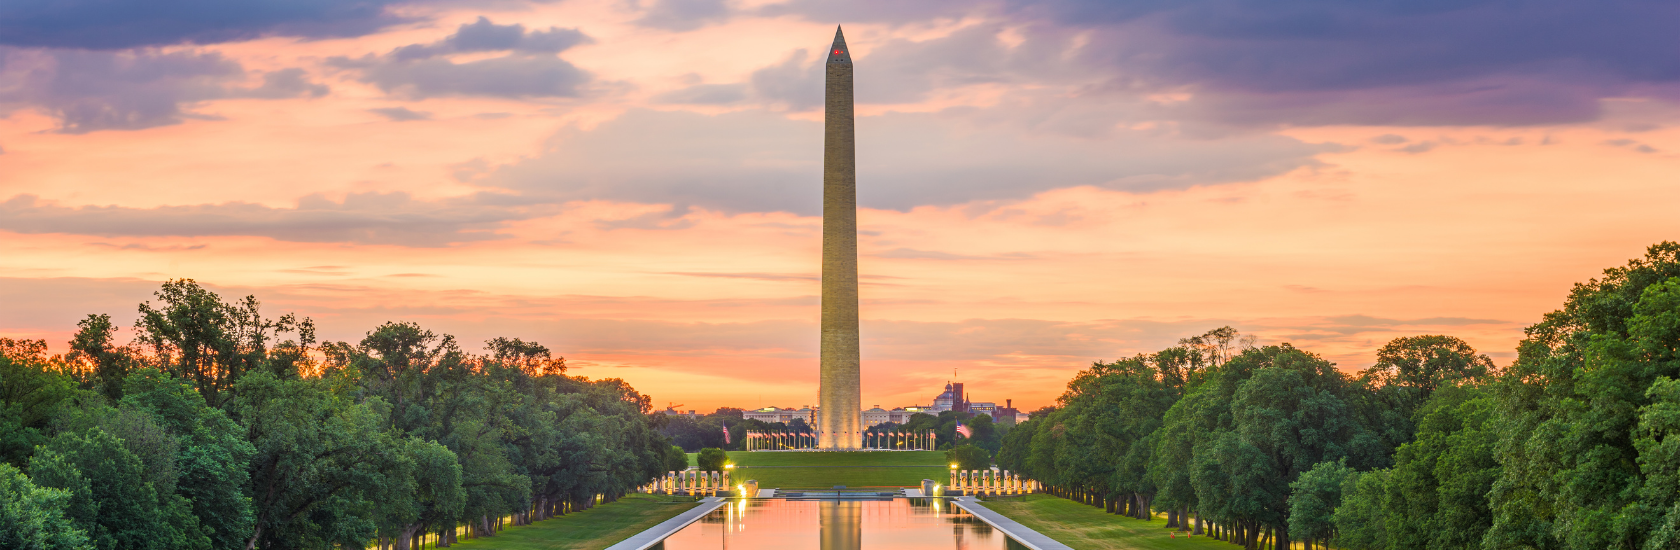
1575, 445
219, 428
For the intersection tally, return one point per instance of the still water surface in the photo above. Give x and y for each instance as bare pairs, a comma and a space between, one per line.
897, 524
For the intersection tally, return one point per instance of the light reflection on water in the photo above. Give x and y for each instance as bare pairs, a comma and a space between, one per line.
839, 525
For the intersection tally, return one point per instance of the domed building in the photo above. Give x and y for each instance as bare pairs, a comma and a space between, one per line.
952, 400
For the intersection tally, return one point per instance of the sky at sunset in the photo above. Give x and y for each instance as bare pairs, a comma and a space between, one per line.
636, 183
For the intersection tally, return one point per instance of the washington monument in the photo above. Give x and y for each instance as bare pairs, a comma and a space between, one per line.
839, 426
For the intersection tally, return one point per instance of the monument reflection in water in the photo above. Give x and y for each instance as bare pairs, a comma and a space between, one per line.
839, 525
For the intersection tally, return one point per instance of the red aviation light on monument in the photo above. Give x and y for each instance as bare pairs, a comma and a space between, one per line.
838, 53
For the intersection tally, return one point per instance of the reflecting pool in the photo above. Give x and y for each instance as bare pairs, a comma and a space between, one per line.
900, 523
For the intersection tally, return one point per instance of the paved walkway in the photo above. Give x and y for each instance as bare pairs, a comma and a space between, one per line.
646, 539
1027, 537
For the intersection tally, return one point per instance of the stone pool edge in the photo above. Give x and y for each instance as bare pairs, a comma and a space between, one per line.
653, 535
1021, 533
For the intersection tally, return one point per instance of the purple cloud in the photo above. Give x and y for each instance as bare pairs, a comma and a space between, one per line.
121, 24
529, 69
89, 90
1317, 62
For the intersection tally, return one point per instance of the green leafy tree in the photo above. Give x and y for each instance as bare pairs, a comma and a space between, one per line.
1425, 363
1185, 372
1437, 489
1190, 424
32, 517
1259, 421
1658, 442
1570, 410
1313, 499
1183, 365
1285, 423
32, 392
222, 436
600, 441
421, 492
711, 459
1408, 370
969, 457
530, 357
1017, 443
113, 497
675, 459
1040, 457
1097, 445
139, 433
213, 458
93, 348
986, 433
1360, 522
319, 461
197, 337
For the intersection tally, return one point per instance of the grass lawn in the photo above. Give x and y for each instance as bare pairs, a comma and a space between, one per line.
814, 470
1089, 528
592, 529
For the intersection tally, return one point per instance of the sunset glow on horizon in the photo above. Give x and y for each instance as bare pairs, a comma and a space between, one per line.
636, 185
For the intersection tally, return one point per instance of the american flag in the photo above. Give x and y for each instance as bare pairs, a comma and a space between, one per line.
726, 433
964, 430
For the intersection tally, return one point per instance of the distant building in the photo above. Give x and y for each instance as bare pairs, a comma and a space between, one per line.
952, 400
955, 399
1008, 414
903, 414
672, 411
776, 414
876, 416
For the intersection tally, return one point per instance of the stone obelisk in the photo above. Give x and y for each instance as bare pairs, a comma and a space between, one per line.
840, 426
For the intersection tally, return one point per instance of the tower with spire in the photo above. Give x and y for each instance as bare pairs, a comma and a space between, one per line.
841, 425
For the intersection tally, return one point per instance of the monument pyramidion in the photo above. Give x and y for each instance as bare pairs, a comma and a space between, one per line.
839, 424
